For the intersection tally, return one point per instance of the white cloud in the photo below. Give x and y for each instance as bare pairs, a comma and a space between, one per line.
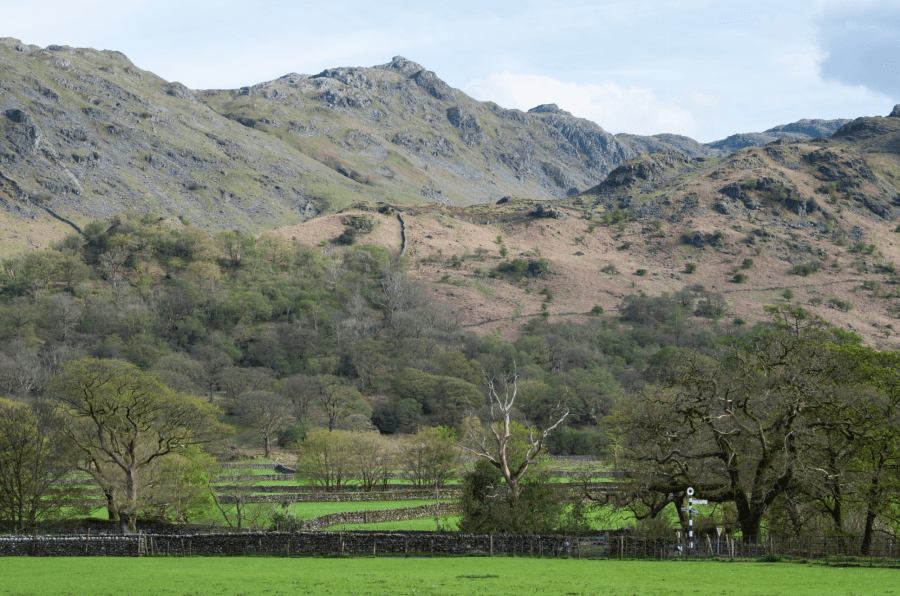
617, 109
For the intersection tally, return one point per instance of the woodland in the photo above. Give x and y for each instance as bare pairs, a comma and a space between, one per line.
133, 351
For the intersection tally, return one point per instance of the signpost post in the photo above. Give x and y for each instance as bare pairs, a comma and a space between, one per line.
691, 511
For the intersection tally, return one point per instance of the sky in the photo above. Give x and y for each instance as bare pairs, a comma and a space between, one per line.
700, 68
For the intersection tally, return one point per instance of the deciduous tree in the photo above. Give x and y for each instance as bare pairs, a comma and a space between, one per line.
120, 416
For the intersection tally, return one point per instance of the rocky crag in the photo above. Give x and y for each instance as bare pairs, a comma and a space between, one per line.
86, 134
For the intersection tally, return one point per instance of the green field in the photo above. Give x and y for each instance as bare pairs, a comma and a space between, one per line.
100, 576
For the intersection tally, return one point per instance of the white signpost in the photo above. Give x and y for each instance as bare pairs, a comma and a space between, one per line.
691, 511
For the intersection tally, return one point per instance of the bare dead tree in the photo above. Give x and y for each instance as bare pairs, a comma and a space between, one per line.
511, 450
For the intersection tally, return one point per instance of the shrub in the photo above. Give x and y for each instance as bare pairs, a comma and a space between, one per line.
690, 268
872, 285
610, 269
614, 217
816, 300
626, 245
641, 272
291, 437
788, 294
597, 310
863, 248
718, 238
739, 278
841, 305
805, 269
347, 237
363, 224
747, 264
519, 268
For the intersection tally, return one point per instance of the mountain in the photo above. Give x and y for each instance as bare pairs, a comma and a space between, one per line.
808, 221
86, 134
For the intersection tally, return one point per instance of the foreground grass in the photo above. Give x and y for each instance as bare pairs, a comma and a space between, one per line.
100, 576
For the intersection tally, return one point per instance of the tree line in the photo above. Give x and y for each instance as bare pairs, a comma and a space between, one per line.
784, 426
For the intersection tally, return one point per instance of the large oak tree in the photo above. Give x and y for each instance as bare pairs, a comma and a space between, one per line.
124, 420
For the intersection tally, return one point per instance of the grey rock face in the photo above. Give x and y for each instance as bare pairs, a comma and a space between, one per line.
895, 113
470, 130
643, 145
811, 128
430, 82
407, 67
549, 108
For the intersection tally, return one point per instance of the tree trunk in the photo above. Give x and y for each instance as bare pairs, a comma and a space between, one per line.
267, 446
750, 519
837, 515
111, 508
866, 545
131, 515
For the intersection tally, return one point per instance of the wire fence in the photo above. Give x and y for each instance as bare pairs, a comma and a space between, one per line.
842, 550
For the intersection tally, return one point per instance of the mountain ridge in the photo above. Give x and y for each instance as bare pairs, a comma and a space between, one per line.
87, 134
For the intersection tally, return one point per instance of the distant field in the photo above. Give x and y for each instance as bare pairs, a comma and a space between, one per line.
100, 576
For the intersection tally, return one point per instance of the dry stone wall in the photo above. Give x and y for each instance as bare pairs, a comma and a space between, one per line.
343, 497
282, 543
379, 516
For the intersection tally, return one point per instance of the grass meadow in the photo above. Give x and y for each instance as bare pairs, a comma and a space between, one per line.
249, 576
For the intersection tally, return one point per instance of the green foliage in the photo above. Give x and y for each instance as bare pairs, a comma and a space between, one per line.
597, 310
364, 224
787, 294
863, 248
485, 508
690, 268
640, 272
519, 268
609, 269
806, 269
739, 278
617, 216
842, 305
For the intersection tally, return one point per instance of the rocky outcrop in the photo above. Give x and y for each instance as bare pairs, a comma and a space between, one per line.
810, 128
863, 129
737, 142
470, 130
643, 145
644, 173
